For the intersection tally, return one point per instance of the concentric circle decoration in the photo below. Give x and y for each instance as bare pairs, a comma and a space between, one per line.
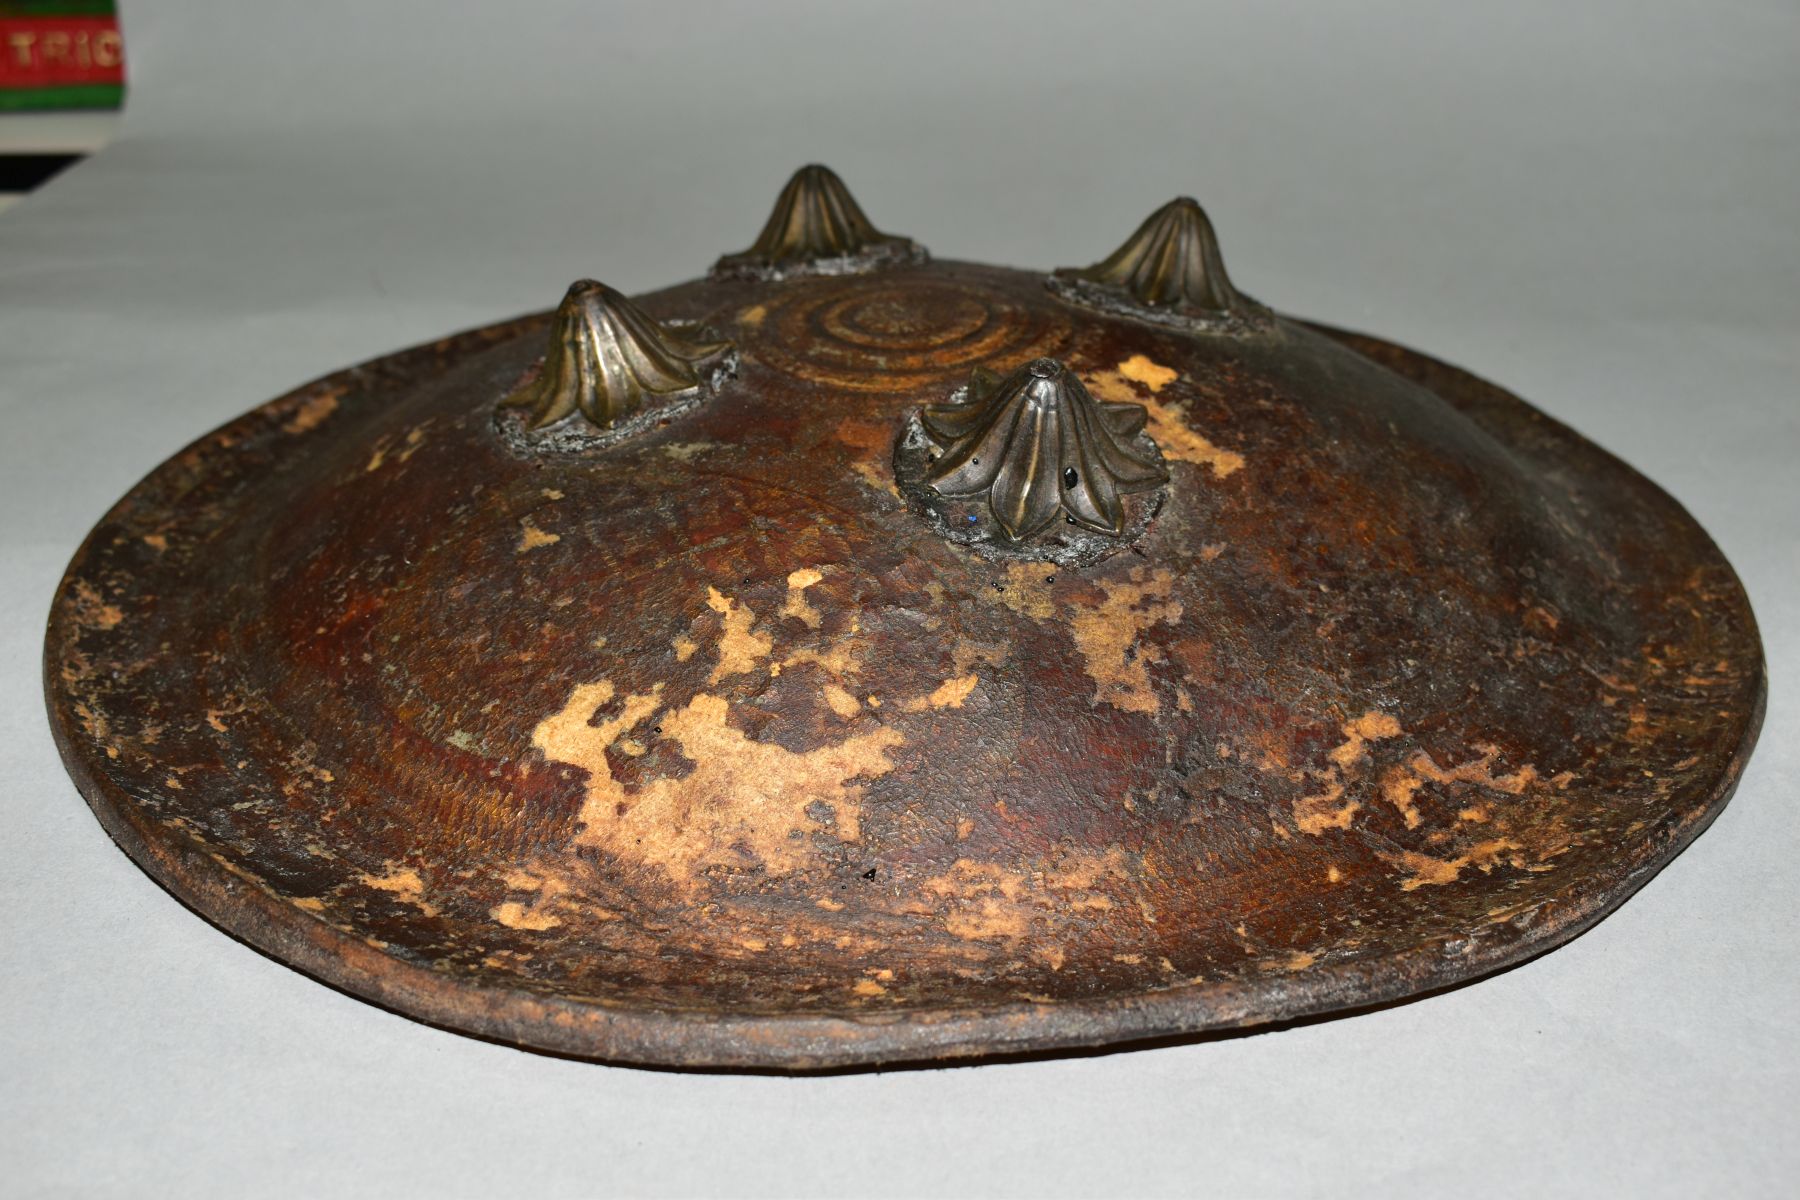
891, 334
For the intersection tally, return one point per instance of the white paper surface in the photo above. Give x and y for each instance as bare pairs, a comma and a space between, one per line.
1597, 206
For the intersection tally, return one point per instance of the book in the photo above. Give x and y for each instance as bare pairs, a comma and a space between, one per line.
60, 54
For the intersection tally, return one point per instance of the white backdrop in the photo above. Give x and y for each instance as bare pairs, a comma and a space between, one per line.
1595, 205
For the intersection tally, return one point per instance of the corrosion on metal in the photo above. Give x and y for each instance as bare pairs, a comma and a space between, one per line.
705, 748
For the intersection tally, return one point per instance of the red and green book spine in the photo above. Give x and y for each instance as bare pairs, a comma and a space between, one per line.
60, 54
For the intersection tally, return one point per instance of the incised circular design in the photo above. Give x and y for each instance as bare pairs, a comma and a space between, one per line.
895, 331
